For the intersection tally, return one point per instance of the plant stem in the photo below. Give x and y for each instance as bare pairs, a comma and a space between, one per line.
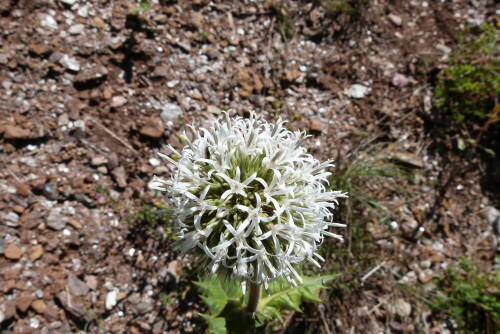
254, 292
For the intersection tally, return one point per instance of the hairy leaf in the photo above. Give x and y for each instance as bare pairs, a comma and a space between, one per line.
217, 294
283, 297
215, 325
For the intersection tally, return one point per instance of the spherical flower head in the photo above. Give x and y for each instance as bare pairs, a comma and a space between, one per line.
249, 201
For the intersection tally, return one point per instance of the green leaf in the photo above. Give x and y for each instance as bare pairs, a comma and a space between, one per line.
144, 5
489, 151
215, 325
461, 145
283, 297
216, 295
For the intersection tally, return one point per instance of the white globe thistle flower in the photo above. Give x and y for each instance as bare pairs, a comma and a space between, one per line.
249, 201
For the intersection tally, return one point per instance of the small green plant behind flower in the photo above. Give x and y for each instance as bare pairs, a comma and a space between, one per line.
469, 88
350, 8
144, 6
470, 298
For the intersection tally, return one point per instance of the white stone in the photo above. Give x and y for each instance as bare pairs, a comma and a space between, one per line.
69, 2
70, 63
111, 299
48, 21
358, 91
154, 162
170, 113
83, 11
76, 29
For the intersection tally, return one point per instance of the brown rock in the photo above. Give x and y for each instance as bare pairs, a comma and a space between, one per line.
91, 282
153, 128
9, 285
98, 22
75, 223
196, 19
23, 303
121, 295
245, 80
15, 132
316, 126
51, 313
18, 209
7, 310
39, 49
12, 273
76, 287
23, 189
35, 252
120, 176
118, 101
425, 276
91, 77
13, 252
39, 306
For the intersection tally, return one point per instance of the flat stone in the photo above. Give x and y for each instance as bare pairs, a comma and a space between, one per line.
76, 29
358, 91
15, 133
91, 282
76, 287
39, 49
7, 310
55, 220
120, 176
397, 20
399, 80
11, 219
316, 126
170, 113
23, 302
111, 299
39, 306
160, 71
13, 252
118, 101
98, 22
153, 128
98, 161
196, 19
51, 313
35, 252
12, 273
70, 63
23, 189
90, 77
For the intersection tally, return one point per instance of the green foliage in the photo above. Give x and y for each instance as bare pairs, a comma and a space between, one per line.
285, 298
471, 298
226, 302
349, 8
362, 174
144, 6
467, 89
153, 220
284, 20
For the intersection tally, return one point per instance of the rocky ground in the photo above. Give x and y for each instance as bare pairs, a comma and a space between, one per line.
91, 90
